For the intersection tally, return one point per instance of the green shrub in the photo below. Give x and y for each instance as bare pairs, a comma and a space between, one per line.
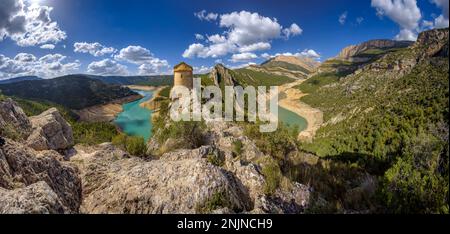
272, 174
188, 134
10, 132
216, 201
132, 144
136, 146
216, 158
120, 140
237, 147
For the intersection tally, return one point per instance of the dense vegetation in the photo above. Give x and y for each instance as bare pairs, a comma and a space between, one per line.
391, 126
71, 91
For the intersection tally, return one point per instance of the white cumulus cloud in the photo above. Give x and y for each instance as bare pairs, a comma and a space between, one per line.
442, 20
293, 30
148, 63
107, 67
202, 69
47, 66
96, 49
310, 54
28, 23
243, 57
199, 36
343, 18
203, 15
47, 46
244, 32
405, 13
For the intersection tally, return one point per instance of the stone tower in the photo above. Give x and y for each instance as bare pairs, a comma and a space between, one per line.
183, 75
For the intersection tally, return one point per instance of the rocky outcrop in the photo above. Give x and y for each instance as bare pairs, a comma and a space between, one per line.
14, 123
433, 43
221, 75
37, 198
32, 181
179, 182
105, 179
183, 181
354, 50
50, 131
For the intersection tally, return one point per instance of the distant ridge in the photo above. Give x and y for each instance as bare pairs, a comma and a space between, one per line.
72, 91
356, 52
156, 80
19, 79
297, 63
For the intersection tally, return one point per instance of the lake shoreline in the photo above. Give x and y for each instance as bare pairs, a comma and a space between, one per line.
105, 112
290, 100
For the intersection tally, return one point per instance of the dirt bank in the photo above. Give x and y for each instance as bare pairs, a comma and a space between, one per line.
105, 112
289, 98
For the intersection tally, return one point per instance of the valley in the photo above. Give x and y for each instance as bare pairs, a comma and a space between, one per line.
372, 137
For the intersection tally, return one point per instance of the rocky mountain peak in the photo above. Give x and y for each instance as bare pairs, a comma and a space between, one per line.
351, 51
308, 63
220, 74
433, 42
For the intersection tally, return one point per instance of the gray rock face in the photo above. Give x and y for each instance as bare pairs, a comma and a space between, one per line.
354, 50
178, 182
181, 181
50, 131
433, 42
22, 167
220, 74
37, 198
13, 121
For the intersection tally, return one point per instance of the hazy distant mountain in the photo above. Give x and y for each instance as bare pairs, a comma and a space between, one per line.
72, 91
157, 80
289, 66
18, 79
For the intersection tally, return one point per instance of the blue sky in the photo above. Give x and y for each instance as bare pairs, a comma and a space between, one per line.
148, 37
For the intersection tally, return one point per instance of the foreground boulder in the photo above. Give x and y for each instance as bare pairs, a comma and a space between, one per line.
37, 198
50, 131
179, 182
182, 181
33, 181
14, 123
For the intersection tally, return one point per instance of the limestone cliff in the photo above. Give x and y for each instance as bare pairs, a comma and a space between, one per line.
221, 75
352, 52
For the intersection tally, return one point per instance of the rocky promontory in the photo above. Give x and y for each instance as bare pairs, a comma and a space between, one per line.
34, 178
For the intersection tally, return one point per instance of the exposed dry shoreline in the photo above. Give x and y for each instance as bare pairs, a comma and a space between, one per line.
106, 112
142, 87
290, 99
151, 104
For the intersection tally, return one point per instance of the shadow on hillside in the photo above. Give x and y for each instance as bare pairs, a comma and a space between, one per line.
338, 183
369, 162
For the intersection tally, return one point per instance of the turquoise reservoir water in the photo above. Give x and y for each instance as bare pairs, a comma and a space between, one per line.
135, 120
291, 118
